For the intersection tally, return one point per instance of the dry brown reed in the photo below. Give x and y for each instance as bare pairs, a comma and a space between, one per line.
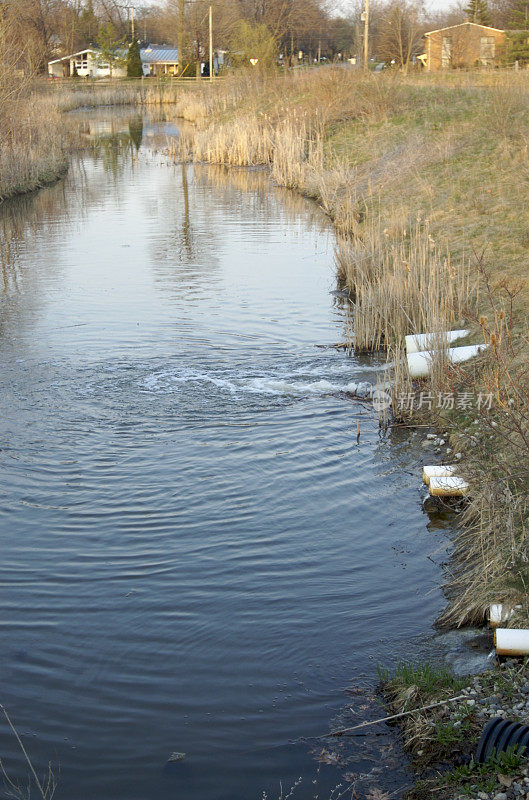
71, 96
492, 553
401, 283
278, 120
31, 145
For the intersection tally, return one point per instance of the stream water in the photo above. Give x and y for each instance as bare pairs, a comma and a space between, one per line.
197, 553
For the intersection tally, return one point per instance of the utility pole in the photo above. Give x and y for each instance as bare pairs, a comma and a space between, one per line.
131, 10
180, 37
366, 36
210, 43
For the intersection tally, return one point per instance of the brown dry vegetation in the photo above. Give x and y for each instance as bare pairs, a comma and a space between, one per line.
30, 146
31, 150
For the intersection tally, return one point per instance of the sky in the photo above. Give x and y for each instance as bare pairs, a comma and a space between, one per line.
432, 7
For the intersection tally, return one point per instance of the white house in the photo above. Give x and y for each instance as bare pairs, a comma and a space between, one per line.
156, 60
87, 63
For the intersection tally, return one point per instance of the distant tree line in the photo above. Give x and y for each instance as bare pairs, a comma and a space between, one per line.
268, 31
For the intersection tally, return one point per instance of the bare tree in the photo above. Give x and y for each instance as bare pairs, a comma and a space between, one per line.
401, 32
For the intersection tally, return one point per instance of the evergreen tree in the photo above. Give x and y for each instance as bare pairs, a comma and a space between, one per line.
136, 130
517, 48
134, 66
519, 16
110, 46
88, 24
477, 11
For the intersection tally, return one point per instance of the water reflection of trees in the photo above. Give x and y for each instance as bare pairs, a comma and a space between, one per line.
9, 258
116, 142
23, 222
113, 137
185, 249
115, 152
136, 130
27, 242
264, 198
203, 200
186, 206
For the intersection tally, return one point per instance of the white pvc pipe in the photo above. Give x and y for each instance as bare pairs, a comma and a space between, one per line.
420, 364
417, 342
448, 487
496, 615
511, 641
499, 613
438, 471
465, 353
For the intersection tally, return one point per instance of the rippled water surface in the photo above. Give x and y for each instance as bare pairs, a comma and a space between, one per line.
196, 553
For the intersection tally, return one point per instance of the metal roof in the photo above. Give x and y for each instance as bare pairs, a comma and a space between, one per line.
151, 55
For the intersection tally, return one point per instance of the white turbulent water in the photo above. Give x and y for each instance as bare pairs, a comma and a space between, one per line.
168, 381
198, 554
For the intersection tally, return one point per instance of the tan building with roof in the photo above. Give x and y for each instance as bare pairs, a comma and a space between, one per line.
465, 45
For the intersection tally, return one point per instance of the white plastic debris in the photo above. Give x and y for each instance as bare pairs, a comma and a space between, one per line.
497, 615
437, 471
417, 342
511, 641
500, 613
448, 487
420, 364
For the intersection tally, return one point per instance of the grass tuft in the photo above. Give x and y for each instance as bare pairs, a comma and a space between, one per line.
426, 678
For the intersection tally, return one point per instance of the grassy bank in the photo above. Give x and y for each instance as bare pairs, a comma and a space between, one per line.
443, 721
425, 179
32, 152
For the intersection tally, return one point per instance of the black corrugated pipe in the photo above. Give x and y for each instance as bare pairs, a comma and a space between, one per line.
498, 736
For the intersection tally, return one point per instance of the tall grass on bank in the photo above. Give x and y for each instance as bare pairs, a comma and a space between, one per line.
492, 547
32, 151
489, 426
401, 285
276, 116
150, 93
